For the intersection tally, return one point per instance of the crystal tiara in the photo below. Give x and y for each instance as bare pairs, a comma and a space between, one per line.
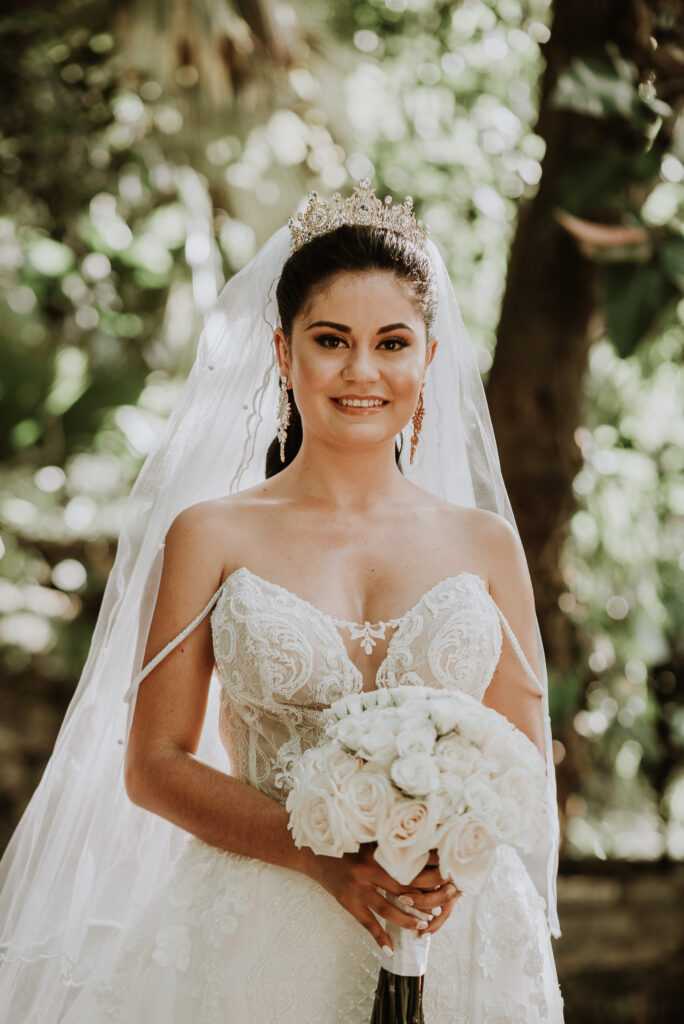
362, 207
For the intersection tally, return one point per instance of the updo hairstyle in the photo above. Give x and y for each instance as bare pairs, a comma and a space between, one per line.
355, 248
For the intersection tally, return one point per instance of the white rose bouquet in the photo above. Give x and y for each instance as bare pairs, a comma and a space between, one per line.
415, 769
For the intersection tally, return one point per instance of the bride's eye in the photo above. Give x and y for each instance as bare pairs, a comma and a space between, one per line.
393, 344
330, 341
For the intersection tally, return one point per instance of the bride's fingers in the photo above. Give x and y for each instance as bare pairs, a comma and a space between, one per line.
405, 902
389, 912
441, 918
378, 877
370, 922
430, 876
428, 879
436, 898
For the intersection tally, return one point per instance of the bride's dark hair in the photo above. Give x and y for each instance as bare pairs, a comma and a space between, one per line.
354, 248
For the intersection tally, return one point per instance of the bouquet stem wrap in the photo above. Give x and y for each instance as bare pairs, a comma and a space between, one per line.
399, 992
410, 956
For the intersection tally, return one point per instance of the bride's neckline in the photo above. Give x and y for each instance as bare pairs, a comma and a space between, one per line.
367, 632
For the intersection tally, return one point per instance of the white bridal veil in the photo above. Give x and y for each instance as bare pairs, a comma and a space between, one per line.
84, 859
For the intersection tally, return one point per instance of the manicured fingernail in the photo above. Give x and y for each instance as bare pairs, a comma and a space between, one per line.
406, 900
422, 925
388, 951
436, 911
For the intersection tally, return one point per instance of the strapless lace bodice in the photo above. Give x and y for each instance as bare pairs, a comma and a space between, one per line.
281, 661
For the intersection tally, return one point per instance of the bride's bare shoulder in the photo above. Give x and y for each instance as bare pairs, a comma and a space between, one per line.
476, 522
486, 536
218, 523
228, 506
490, 537
489, 526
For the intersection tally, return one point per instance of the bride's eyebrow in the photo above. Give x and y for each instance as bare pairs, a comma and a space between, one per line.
347, 330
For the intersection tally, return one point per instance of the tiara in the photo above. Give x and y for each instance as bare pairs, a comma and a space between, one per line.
362, 207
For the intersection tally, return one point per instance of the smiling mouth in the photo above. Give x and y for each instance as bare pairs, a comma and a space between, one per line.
360, 403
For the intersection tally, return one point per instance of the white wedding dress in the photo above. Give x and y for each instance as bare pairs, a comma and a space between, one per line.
227, 939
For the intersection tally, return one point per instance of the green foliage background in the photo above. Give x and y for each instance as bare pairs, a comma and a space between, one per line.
120, 219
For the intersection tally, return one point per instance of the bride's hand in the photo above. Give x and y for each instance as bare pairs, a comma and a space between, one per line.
433, 894
354, 880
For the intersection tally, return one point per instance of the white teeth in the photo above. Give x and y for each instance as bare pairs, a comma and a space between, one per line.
361, 403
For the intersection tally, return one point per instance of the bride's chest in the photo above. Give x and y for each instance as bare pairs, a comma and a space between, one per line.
274, 648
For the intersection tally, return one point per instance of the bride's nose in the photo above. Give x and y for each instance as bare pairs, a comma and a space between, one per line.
360, 364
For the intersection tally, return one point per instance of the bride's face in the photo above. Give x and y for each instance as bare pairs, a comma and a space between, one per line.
356, 358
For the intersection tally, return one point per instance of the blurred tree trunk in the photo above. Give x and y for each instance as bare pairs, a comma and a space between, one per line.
552, 308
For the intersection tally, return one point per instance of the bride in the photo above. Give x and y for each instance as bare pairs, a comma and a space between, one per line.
171, 891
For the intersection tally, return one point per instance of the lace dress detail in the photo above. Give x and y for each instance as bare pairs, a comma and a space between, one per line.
227, 939
508, 931
281, 661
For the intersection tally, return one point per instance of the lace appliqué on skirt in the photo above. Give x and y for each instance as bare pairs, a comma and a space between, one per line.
502, 1010
209, 891
508, 915
449, 977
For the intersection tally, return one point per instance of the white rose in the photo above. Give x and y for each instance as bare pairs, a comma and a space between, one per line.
415, 775
415, 707
318, 818
350, 705
455, 755
329, 759
505, 825
481, 798
383, 698
474, 722
348, 732
526, 754
369, 797
520, 798
511, 748
405, 839
446, 713
354, 703
413, 714
403, 694
416, 739
451, 796
380, 716
498, 741
378, 742
303, 771
466, 853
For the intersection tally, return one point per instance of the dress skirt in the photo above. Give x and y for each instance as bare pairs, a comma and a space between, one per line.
227, 939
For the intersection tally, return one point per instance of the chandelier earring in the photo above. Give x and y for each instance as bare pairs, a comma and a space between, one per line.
417, 422
284, 410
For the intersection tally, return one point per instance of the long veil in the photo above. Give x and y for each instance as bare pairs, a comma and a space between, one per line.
84, 859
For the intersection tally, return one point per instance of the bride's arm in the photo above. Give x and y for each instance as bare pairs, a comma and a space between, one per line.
163, 775
511, 692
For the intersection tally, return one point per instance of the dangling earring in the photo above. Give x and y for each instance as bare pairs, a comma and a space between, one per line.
284, 409
417, 424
